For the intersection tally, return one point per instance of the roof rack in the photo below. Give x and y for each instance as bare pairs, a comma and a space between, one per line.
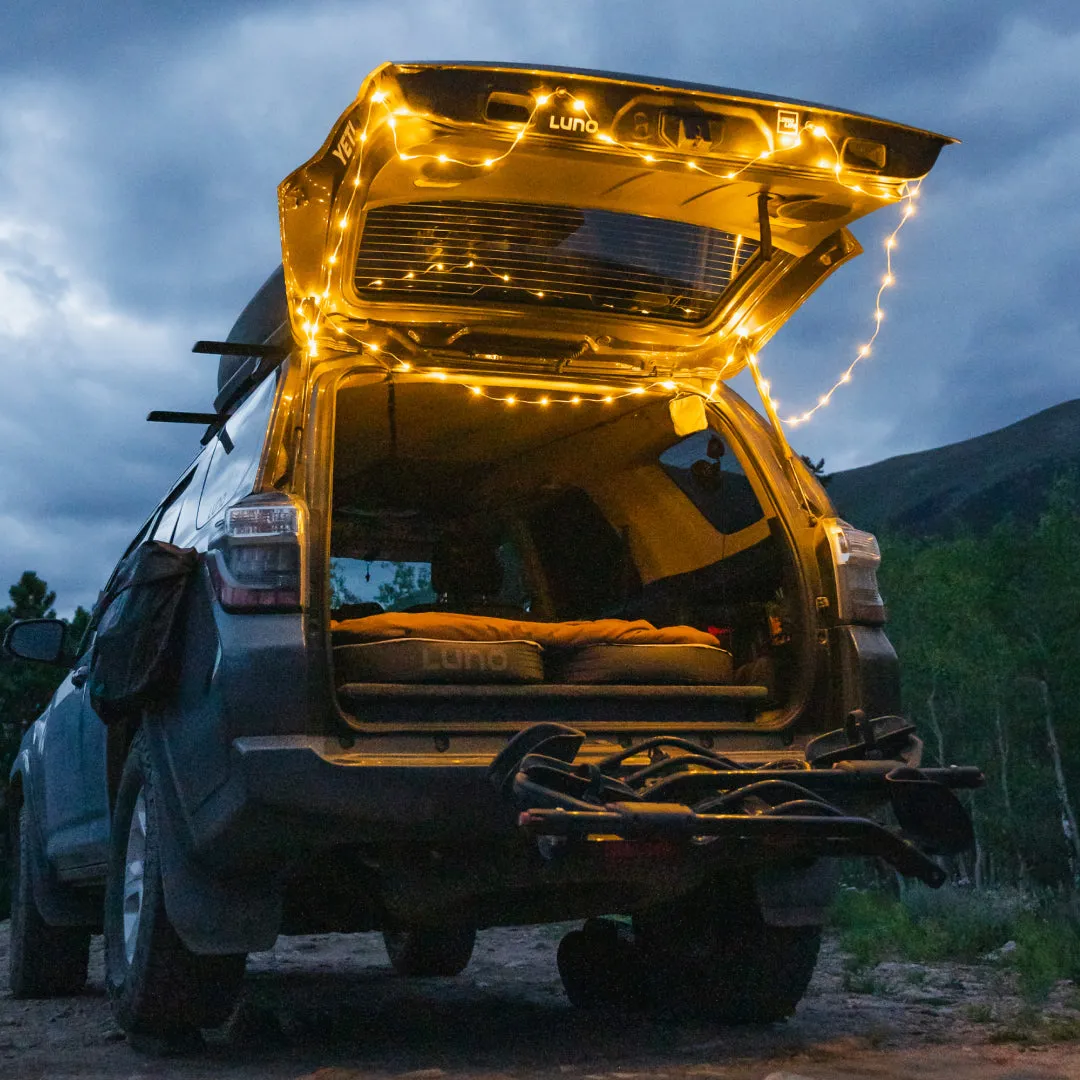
269, 357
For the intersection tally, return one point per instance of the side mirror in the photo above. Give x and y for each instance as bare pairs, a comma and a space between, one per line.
36, 639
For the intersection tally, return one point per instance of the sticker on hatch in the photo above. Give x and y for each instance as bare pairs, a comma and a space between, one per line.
787, 122
572, 123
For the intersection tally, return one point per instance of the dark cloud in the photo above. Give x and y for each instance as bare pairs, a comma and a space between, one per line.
141, 145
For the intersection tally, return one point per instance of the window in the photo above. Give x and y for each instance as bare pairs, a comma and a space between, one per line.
236, 454
166, 525
552, 256
708, 472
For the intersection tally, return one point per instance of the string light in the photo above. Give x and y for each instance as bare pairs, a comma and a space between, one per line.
888, 279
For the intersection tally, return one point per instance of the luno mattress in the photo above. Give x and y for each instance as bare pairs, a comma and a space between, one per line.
446, 647
427, 660
683, 665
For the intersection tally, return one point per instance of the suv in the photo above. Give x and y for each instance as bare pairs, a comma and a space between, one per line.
486, 601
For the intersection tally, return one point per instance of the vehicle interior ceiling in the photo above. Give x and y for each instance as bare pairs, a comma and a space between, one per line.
446, 501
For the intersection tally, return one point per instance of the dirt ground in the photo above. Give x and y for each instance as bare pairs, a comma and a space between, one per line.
329, 1008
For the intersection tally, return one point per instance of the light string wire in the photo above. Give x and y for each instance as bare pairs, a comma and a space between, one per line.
888, 279
310, 308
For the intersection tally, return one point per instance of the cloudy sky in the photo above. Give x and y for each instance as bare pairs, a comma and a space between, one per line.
141, 145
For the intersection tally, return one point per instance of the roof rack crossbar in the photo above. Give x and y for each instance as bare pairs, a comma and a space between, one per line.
240, 348
167, 416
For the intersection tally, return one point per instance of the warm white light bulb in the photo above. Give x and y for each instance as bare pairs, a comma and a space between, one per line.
579, 105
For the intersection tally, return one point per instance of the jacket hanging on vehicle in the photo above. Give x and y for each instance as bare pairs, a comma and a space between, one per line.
133, 662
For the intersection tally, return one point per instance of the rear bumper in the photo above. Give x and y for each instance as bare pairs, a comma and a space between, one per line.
422, 837
357, 797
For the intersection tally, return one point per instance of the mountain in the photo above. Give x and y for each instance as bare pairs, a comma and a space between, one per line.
967, 485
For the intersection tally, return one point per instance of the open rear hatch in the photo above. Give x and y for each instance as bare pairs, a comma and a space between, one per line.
544, 218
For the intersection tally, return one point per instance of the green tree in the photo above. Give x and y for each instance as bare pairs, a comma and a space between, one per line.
990, 662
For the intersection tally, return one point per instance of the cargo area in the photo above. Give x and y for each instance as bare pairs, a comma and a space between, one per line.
499, 561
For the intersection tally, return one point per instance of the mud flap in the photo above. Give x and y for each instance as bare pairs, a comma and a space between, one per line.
59, 904
213, 915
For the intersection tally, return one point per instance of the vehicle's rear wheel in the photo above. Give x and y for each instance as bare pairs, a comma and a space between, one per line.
157, 985
600, 967
44, 960
442, 950
711, 954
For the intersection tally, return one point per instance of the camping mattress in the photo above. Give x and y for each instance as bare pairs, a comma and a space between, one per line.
683, 665
446, 647
431, 660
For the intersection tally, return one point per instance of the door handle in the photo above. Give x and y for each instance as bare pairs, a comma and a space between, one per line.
80, 675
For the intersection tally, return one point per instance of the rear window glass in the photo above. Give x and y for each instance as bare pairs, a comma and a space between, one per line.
550, 256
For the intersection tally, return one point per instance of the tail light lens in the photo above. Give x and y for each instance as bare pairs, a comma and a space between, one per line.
856, 558
255, 559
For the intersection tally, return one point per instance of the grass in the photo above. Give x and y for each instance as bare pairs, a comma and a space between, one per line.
927, 926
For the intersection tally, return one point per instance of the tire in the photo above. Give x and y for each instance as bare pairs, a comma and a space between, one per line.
601, 967
157, 986
44, 960
721, 961
430, 950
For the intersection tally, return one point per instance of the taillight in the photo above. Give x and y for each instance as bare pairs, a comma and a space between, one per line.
856, 557
255, 558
